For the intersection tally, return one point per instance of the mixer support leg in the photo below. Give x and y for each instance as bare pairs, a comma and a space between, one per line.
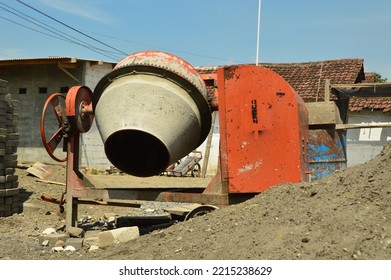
72, 179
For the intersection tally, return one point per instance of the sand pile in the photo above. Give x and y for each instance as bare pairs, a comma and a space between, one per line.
346, 215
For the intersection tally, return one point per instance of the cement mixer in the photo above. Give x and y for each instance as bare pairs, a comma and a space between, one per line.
153, 109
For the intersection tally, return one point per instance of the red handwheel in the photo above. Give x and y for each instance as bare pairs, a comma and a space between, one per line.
51, 145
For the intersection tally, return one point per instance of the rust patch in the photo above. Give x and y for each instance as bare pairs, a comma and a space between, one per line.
229, 72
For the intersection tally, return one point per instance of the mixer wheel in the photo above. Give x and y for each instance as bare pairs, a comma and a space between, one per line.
200, 211
51, 145
196, 170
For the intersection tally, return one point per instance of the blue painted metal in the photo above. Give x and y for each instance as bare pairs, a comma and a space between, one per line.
327, 152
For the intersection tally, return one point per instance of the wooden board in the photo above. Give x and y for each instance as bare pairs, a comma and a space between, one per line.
40, 170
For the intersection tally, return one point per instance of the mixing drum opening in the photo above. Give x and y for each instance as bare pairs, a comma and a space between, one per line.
137, 153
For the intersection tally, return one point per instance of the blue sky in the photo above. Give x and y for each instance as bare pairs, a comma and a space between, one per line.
203, 32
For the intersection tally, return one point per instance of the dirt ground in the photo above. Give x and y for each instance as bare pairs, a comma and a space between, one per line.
344, 216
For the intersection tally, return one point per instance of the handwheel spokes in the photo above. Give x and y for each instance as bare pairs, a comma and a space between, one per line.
58, 110
56, 139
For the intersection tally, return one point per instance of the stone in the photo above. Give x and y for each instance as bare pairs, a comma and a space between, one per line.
76, 243
59, 243
57, 249
70, 248
76, 232
93, 248
49, 231
111, 237
92, 237
52, 238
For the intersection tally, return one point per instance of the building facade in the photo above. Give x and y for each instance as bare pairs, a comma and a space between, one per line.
31, 82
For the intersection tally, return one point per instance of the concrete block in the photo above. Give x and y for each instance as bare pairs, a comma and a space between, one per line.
92, 237
115, 236
53, 238
77, 243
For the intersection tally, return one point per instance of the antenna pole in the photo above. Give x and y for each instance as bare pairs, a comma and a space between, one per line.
258, 32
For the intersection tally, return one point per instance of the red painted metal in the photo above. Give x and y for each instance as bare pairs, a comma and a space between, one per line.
56, 138
163, 60
263, 130
78, 108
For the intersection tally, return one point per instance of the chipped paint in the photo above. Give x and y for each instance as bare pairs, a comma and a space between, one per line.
327, 152
244, 144
249, 167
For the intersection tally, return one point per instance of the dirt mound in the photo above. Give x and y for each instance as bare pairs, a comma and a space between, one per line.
343, 216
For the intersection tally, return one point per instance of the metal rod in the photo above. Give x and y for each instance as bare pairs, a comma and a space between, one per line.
258, 32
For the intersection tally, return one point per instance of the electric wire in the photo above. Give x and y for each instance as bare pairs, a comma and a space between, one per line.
44, 25
70, 27
53, 36
68, 38
60, 35
165, 48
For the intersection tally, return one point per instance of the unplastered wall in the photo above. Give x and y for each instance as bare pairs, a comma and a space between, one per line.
32, 78
92, 150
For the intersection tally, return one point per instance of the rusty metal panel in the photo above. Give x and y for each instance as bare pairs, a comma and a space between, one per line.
263, 130
327, 152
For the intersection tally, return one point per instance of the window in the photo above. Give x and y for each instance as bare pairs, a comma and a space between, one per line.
43, 90
370, 134
64, 89
22, 90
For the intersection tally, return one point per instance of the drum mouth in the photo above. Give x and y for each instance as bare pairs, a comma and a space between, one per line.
137, 153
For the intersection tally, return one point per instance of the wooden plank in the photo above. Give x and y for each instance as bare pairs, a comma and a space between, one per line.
360, 85
40, 170
362, 125
327, 90
51, 182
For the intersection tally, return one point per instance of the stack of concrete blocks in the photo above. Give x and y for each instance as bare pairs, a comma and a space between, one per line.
9, 140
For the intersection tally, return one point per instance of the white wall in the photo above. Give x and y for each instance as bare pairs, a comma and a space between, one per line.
214, 149
366, 143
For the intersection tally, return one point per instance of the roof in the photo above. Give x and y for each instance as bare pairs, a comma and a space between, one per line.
357, 104
369, 77
308, 78
46, 60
